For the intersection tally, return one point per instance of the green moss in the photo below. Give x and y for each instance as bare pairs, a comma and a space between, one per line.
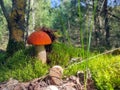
14, 46
22, 66
61, 54
105, 71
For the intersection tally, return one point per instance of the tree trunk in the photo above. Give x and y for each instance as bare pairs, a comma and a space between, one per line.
96, 22
16, 25
106, 26
33, 14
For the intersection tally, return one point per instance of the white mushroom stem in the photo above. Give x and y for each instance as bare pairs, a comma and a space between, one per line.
40, 53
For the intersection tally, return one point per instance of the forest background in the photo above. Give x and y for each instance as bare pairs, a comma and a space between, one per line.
98, 18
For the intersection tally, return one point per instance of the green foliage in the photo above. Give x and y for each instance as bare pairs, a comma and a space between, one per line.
66, 19
2, 25
21, 67
61, 54
14, 46
3, 57
40, 15
3, 22
105, 71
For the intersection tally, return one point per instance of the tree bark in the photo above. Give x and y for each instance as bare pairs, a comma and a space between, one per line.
106, 25
33, 14
16, 25
96, 22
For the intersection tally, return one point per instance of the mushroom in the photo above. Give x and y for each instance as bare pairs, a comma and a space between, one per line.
39, 39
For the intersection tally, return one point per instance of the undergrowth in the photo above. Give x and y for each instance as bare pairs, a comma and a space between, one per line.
62, 54
105, 69
21, 67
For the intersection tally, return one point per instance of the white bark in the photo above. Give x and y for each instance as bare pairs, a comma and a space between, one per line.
33, 13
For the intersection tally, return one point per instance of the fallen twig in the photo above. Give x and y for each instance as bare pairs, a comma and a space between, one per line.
86, 59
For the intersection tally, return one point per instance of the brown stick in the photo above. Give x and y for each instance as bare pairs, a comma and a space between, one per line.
107, 52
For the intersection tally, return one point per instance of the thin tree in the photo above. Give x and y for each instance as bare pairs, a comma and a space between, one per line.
106, 25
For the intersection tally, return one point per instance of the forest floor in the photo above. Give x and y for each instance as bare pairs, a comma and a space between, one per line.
49, 82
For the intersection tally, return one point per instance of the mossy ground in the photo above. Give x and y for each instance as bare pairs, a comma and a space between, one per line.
105, 69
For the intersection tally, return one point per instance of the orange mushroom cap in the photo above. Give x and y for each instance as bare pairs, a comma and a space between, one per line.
39, 38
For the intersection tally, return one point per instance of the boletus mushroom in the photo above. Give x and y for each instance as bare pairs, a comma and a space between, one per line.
39, 39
